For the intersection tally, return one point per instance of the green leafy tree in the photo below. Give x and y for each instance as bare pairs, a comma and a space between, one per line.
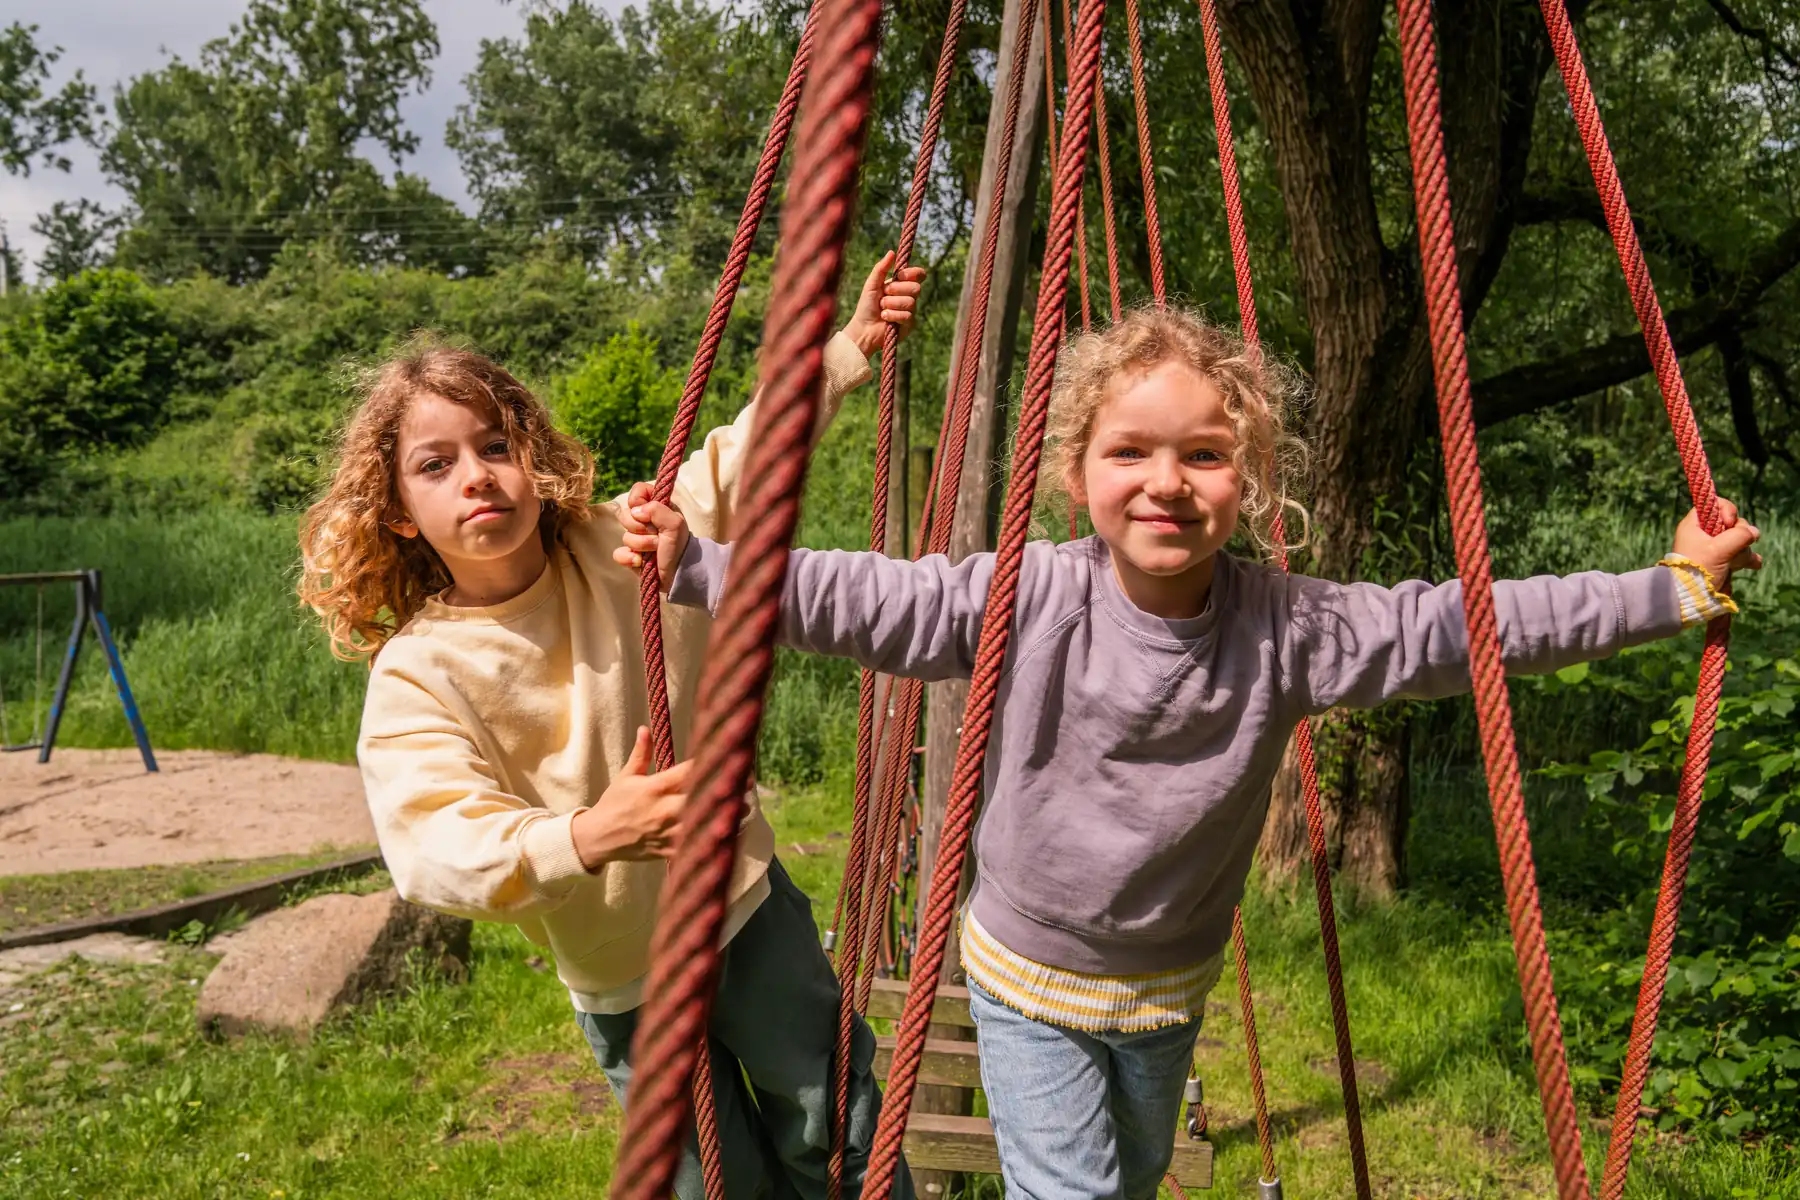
619, 401
256, 144
632, 134
91, 365
77, 237
32, 123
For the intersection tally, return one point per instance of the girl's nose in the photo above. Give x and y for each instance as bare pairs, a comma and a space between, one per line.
1165, 478
479, 479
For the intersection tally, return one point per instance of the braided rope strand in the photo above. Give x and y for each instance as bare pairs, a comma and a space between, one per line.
1462, 469
1146, 164
853, 895
1047, 330
685, 956
1309, 774
1711, 682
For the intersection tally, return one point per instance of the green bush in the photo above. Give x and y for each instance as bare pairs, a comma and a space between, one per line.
90, 366
1729, 1048
619, 400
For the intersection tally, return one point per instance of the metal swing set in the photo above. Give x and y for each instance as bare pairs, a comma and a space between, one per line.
88, 612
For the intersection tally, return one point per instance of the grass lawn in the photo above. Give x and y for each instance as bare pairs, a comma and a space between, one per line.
30, 900
486, 1089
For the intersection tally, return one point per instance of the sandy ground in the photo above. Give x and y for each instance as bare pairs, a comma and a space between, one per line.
99, 808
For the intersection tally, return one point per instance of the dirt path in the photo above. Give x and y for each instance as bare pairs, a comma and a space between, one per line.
99, 808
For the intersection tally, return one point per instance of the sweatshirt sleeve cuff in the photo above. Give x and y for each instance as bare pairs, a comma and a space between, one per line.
846, 369
548, 848
700, 579
1700, 598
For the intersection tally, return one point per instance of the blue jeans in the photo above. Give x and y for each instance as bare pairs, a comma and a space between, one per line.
1080, 1116
774, 1032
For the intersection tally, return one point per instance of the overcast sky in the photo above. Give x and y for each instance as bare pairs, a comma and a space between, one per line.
113, 40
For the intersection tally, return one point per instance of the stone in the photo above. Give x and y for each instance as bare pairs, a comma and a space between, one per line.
292, 968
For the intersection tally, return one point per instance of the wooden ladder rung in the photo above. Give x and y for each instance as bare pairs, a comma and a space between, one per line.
939, 1143
952, 1007
954, 1064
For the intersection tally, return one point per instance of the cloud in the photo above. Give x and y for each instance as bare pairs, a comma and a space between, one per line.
112, 41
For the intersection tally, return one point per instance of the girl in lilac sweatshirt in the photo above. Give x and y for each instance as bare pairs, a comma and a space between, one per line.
1152, 684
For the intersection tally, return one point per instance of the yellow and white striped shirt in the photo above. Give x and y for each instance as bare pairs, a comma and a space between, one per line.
1077, 1000
1701, 600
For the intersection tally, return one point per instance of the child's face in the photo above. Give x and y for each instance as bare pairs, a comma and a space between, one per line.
463, 491
1157, 479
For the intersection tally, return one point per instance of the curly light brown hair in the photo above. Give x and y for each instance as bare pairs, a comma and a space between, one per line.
366, 581
1262, 395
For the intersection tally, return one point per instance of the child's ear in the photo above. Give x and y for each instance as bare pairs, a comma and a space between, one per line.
403, 526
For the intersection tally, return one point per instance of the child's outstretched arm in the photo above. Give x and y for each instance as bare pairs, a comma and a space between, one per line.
919, 619
1359, 644
706, 486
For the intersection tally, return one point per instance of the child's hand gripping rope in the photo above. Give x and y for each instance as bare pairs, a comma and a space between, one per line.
638, 817
652, 528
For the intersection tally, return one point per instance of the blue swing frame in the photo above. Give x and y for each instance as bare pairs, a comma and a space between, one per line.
88, 611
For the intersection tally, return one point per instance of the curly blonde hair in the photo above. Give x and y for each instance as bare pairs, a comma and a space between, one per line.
1262, 395
366, 581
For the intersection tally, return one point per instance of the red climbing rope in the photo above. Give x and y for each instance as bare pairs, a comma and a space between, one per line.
1240, 953
965, 788
1309, 775
1081, 258
1686, 429
687, 412
851, 900
685, 955
1462, 470
674, 451
1146, 165
1105, 172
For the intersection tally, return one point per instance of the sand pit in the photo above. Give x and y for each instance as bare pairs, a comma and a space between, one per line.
87, 809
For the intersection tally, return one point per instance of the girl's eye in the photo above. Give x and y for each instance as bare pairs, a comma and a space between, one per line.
1126, 452
433, 466
1207, 456
498, 447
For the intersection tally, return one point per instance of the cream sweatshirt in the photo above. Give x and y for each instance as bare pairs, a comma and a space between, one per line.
485, 730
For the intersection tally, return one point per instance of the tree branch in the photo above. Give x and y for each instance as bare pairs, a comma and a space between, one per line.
1772, 50
1569, 203
1536, 386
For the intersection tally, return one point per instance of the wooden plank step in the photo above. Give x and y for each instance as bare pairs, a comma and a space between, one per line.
955, 1064
939, 1143
952, 1008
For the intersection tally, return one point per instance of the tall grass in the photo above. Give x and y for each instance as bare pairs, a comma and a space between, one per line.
216, 648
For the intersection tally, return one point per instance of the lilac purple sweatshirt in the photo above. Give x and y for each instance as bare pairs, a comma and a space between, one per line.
1128, 773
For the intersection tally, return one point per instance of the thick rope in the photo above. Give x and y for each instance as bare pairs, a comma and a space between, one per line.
674, 451
965, 787
687, 412
1081, 258
1146, 165
1462, 470
851, 900
1240, 953
1689, 790
1105, 171
685, 957
1309, 775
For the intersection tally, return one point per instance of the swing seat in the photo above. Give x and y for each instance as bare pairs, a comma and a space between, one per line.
937, 1142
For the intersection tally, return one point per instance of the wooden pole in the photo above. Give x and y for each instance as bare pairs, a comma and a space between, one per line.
972, 530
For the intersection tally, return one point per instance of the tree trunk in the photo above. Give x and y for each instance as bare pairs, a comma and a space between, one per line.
1311, 69
971, 530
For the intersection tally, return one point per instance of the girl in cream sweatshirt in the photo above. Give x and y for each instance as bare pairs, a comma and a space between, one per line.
503, 745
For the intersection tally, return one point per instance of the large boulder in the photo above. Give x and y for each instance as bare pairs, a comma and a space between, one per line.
290, 969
